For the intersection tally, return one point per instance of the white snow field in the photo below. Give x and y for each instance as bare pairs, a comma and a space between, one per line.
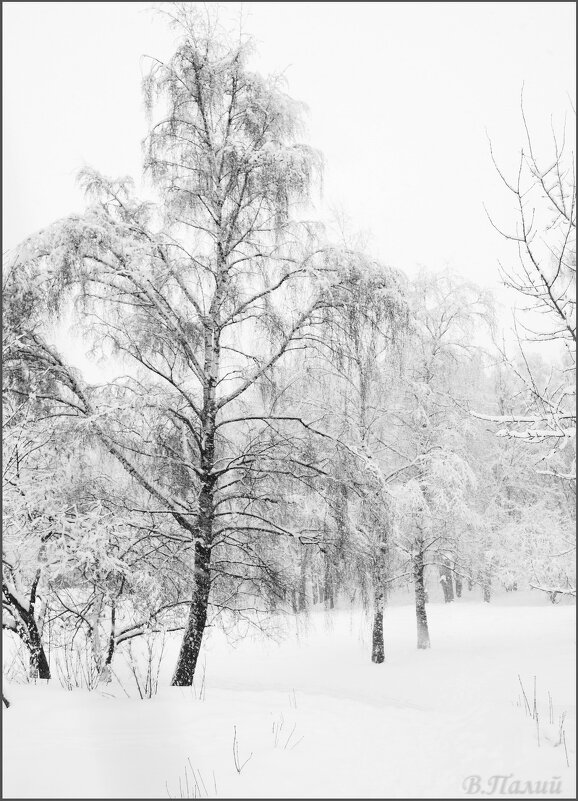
314, 717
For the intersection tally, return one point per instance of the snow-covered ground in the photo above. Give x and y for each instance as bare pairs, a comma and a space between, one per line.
314, 717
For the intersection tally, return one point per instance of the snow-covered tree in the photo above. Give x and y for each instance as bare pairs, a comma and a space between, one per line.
433, 496
543, 273
199, 295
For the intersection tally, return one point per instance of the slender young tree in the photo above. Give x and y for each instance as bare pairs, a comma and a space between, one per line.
360, 354
432, 496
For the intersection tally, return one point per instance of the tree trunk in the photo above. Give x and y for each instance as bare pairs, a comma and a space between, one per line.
487, 570
459, 585
95, 633
328, 585
193, 636
302, 596
28, 629
487, 582
446, 581
315, 591
105, 673
191, 645
39, 667
423, 640
328, 578
379, 597
378, 646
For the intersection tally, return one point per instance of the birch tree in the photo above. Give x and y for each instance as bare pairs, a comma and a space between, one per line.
198, 295
363, 351
432, 494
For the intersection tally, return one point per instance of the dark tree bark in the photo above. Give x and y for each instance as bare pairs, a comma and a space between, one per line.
27, 629
112, 638
105, 672
423, 640
446, 581
458, 585
39, 667
302, 593
379, 598
378, 647
191, 644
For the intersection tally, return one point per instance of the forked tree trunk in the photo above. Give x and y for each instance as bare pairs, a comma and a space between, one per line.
29, 631
191, 644
423, 640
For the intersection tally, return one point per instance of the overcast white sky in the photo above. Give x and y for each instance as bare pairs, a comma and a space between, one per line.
400, 96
